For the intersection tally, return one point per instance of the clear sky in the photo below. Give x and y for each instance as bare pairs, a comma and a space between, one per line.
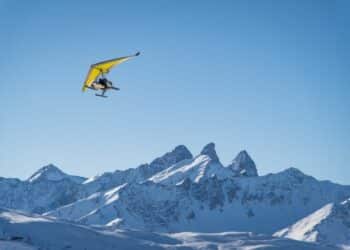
271, 77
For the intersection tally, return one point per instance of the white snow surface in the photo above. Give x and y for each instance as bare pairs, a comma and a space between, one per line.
19, 231
12, 245
195, 169
328, 225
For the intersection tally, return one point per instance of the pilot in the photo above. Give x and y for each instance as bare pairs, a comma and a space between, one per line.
104, 82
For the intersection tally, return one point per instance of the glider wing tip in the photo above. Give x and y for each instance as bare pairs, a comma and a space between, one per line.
137, 53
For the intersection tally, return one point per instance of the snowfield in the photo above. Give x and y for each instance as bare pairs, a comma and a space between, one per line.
9, 245
38, 232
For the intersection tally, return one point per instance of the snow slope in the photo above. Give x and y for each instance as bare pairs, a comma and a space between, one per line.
328, 225
241, 241
109, 180
27, 232
196, 169
51, 234
10, 245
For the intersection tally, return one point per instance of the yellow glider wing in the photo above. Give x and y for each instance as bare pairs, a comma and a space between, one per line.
103, 68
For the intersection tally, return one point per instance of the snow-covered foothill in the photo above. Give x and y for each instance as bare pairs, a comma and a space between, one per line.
328, 225
19, 231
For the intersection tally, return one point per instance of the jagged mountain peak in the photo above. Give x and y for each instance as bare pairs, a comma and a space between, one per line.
243, 154
178, 154
197, 169
51, 172
181, 149
243, 165
49, 167
210, 151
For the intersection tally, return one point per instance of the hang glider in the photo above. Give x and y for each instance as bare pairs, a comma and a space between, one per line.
96, 79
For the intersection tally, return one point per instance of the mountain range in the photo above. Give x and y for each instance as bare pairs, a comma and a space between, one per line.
178, 192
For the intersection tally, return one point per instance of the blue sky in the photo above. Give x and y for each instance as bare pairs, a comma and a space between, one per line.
270, 77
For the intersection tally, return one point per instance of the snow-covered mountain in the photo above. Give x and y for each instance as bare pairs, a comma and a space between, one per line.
50, 188
53, 173
174, 193
20, 231
200, 194
46, 189
328, 225
262, 204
